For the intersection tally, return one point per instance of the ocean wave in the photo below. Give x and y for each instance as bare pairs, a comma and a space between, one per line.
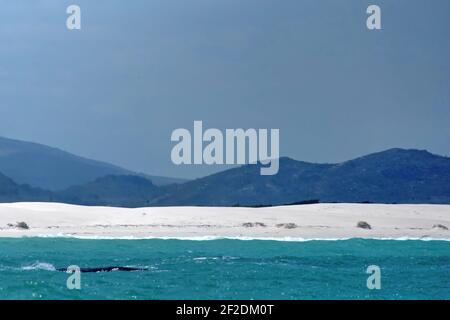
241, 238
34, 266
39, 266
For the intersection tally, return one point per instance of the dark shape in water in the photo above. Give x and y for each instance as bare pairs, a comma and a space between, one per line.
107, 269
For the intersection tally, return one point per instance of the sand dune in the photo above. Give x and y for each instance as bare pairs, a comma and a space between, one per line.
316, 221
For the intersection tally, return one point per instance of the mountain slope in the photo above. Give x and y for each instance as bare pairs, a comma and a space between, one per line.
12, 192
119, 191
392, 176
53, 169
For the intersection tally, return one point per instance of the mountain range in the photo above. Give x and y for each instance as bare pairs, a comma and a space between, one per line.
42, 173
13, 192
392, 176
53, 169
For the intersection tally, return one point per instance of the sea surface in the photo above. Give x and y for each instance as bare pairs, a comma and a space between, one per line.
225, 269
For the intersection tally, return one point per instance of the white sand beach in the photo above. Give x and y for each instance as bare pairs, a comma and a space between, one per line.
315, 221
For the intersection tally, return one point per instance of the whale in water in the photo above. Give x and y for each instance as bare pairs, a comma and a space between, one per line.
107, 269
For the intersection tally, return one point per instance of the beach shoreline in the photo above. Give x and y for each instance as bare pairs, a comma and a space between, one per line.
324, 221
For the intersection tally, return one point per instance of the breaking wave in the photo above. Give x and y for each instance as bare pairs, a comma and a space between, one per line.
242, 238
40, 266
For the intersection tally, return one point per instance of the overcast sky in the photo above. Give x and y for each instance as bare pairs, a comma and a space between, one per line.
137, 70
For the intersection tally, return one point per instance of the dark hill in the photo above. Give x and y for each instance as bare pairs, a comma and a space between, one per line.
392, 176
54, 169
118, 191
13, 192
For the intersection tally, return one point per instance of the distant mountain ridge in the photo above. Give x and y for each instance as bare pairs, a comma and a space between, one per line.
53, 169
111, 190
391, 176
13, 192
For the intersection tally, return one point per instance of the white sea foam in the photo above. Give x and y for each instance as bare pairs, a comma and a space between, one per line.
241, 238
40, 266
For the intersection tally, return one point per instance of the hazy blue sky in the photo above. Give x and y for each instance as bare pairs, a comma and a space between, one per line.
139, 69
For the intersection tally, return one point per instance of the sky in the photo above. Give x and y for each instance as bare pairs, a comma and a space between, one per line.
137, 70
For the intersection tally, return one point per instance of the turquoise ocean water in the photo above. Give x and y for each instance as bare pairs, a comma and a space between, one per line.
225, 269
